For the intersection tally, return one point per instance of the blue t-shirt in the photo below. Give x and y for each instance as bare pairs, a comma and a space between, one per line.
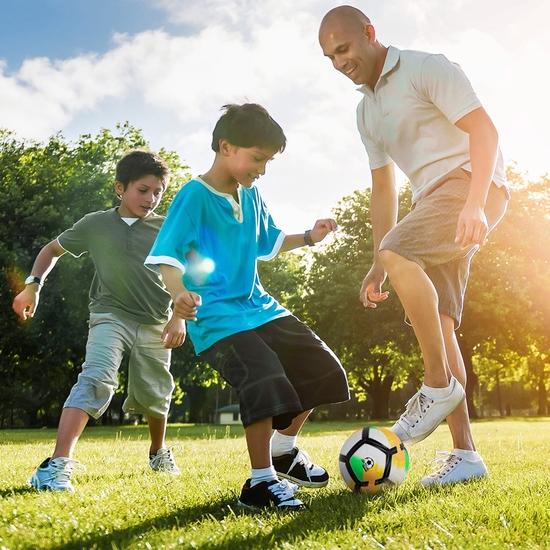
216, 241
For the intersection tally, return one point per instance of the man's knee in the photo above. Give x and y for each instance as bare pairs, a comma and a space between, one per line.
391, 261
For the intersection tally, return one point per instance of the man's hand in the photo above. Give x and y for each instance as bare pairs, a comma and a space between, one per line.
472, 227
26, 302
174, 333
371, 289
185, 305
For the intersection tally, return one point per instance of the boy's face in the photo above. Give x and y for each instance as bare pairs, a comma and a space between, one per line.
140, 198
247, 164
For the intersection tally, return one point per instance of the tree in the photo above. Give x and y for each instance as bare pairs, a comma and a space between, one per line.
45, 189
507, 310
377, 349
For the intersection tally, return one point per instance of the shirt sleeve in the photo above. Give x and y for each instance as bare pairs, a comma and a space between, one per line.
377, 156
270, 237
174, 238
75, 240
444, 84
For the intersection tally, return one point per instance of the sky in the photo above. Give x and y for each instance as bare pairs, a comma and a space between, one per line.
168, 66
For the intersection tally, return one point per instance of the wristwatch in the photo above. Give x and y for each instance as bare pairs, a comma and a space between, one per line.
307, 238
32, 279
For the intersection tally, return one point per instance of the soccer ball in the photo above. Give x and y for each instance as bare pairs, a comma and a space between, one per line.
372, 459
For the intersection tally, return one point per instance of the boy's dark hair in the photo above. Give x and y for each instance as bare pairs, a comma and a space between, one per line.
248, 125
139, 163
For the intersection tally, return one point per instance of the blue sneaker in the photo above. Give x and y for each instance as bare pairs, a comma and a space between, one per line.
55, 475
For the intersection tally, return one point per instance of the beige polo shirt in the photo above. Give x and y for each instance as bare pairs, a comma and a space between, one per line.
409, 118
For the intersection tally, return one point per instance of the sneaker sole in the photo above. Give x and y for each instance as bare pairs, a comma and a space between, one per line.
414, 440
35, 484
257, 509
473, 477
302, 483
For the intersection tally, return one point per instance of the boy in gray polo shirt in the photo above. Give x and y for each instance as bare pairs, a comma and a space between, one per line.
129, 315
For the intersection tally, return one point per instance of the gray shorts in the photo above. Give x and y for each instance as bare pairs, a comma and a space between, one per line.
426, 236
150, 383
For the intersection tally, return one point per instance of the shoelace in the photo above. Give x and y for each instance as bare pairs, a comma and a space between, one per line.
415, 409
302, 458
443, 463
166, 456
283, 490
62, 468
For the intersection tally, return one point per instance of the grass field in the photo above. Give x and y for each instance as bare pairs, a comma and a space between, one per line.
120, 504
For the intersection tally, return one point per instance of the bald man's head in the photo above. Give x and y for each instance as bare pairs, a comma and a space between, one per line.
349, 40
352, 18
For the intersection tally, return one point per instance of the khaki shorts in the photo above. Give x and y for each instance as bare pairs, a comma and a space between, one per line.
427, 236
149, 384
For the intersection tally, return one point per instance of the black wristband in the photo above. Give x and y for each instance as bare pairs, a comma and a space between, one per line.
307, 238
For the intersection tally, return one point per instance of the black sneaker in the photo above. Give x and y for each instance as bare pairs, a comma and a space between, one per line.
297, 467
270, 493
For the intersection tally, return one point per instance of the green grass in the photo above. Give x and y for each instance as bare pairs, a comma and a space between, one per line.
120, 504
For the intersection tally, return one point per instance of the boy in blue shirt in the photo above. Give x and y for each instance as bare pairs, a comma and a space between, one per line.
129, 315
216, 229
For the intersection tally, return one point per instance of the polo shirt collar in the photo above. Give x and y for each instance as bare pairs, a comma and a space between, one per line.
392, 57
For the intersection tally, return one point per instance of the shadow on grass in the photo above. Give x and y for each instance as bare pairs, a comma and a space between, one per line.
16, 491
324, 514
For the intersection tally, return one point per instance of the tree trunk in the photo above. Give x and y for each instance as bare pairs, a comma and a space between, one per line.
542, 394
197, 398
380, 393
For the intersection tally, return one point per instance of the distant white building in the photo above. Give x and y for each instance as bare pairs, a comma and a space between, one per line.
228, 415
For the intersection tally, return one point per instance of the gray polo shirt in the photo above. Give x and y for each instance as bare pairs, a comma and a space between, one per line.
122, 284
411, 114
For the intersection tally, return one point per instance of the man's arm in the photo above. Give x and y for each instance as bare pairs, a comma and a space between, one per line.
472, 227
26, 302
383, 211
320, 230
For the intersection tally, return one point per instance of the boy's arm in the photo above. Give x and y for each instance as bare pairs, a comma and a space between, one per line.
26, 302
320, 230
185, 302
383, 212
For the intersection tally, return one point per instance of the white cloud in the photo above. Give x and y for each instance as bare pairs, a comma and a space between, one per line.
266, 51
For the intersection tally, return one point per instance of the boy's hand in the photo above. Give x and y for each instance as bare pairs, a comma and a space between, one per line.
185, 305
26, 302
322, 228
174, 333
371, 289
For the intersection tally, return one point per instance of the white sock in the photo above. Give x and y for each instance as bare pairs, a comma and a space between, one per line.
262, 474
282, 444
438, 393
468, 455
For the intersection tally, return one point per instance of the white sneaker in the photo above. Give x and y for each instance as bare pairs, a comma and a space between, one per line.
55, 475
454, 467
423, 414
164, 461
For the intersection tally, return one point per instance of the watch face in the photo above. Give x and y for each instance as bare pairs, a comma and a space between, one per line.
31, 279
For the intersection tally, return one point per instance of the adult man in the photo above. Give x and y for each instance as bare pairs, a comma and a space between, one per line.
420, 111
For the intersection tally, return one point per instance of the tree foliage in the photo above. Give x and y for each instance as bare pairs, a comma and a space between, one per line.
45, 189
377, 349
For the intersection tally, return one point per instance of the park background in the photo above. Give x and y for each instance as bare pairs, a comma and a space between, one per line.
73, 73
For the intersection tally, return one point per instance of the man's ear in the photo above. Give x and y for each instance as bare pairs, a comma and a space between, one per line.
370, 32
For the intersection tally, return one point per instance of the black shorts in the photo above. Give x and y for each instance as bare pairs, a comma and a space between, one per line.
279, 370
